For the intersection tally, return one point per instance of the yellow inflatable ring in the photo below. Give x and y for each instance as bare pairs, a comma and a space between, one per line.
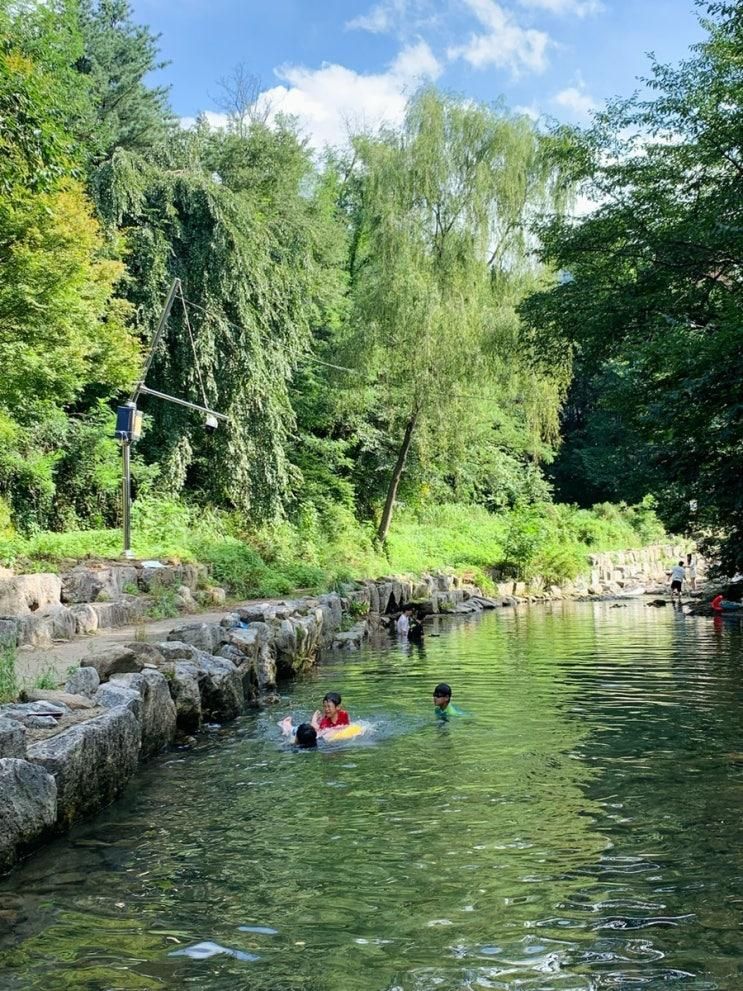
346, 732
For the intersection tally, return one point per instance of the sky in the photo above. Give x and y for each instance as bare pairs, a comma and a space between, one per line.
340, 64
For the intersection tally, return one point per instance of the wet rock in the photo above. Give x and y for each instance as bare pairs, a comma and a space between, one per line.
230, 621
220, 686
28, 808
26, 594
83, 681
71, 701
184, 690
91, 762
157, 715
118, 659
12, 738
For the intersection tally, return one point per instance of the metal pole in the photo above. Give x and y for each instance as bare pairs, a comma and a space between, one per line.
156, 337
146, 391
126, 497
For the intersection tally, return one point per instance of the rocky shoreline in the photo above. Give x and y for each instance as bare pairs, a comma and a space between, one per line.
64, 755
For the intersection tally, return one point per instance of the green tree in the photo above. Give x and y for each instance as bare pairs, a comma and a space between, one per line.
439, 254
651, 303
234, 217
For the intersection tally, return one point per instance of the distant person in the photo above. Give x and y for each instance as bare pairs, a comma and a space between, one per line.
403, 622
721, 604
691, 562
442, 706
332, 716
415, 631
678, 573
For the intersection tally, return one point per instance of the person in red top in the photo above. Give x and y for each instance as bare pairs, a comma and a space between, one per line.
716, 603
332, 715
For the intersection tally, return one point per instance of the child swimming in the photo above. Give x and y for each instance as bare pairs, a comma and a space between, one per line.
442, 707
303, 736
333, 717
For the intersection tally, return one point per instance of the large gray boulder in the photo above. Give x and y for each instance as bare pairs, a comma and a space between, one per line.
113, 696
86, 584
205, 636
220, 686
86, 619
83, 681
91, 763
12, 738
184, 690
26, 594
118, 659
42, 628
28, 808
157, 714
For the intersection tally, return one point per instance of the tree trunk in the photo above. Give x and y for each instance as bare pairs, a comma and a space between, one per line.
389, 505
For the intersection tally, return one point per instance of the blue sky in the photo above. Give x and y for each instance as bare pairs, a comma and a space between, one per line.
337, 64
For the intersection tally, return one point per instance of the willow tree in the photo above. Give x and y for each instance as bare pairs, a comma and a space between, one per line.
440, 246
233, 217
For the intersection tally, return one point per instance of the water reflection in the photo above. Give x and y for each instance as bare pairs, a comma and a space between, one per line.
579, 831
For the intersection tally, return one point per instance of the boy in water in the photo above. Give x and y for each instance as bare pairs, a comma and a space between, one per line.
332, 716
442, 707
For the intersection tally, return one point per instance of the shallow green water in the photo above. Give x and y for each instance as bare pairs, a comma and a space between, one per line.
582, 830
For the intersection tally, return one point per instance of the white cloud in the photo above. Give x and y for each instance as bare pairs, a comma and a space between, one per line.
333, 99
380, 19
212, 118
581, 8
575, 100
504, 44
531, 111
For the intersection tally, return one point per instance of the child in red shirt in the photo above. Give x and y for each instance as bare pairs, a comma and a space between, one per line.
332, 715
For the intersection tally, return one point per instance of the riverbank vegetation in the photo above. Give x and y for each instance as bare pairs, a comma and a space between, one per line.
315, 552
383, 325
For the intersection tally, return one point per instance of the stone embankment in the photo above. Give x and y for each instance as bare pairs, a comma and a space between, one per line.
66, 754
38, 609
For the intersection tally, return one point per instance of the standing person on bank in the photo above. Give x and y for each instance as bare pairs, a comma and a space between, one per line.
678, 573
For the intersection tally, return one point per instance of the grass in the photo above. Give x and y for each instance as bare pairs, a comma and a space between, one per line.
330, 547
47, 681
9, 686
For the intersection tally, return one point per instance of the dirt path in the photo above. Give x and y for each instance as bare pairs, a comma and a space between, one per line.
32, 662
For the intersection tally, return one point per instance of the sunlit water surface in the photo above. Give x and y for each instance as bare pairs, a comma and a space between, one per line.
583, 829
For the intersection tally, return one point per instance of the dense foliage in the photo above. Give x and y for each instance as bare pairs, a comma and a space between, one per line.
650, 298
358, 318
